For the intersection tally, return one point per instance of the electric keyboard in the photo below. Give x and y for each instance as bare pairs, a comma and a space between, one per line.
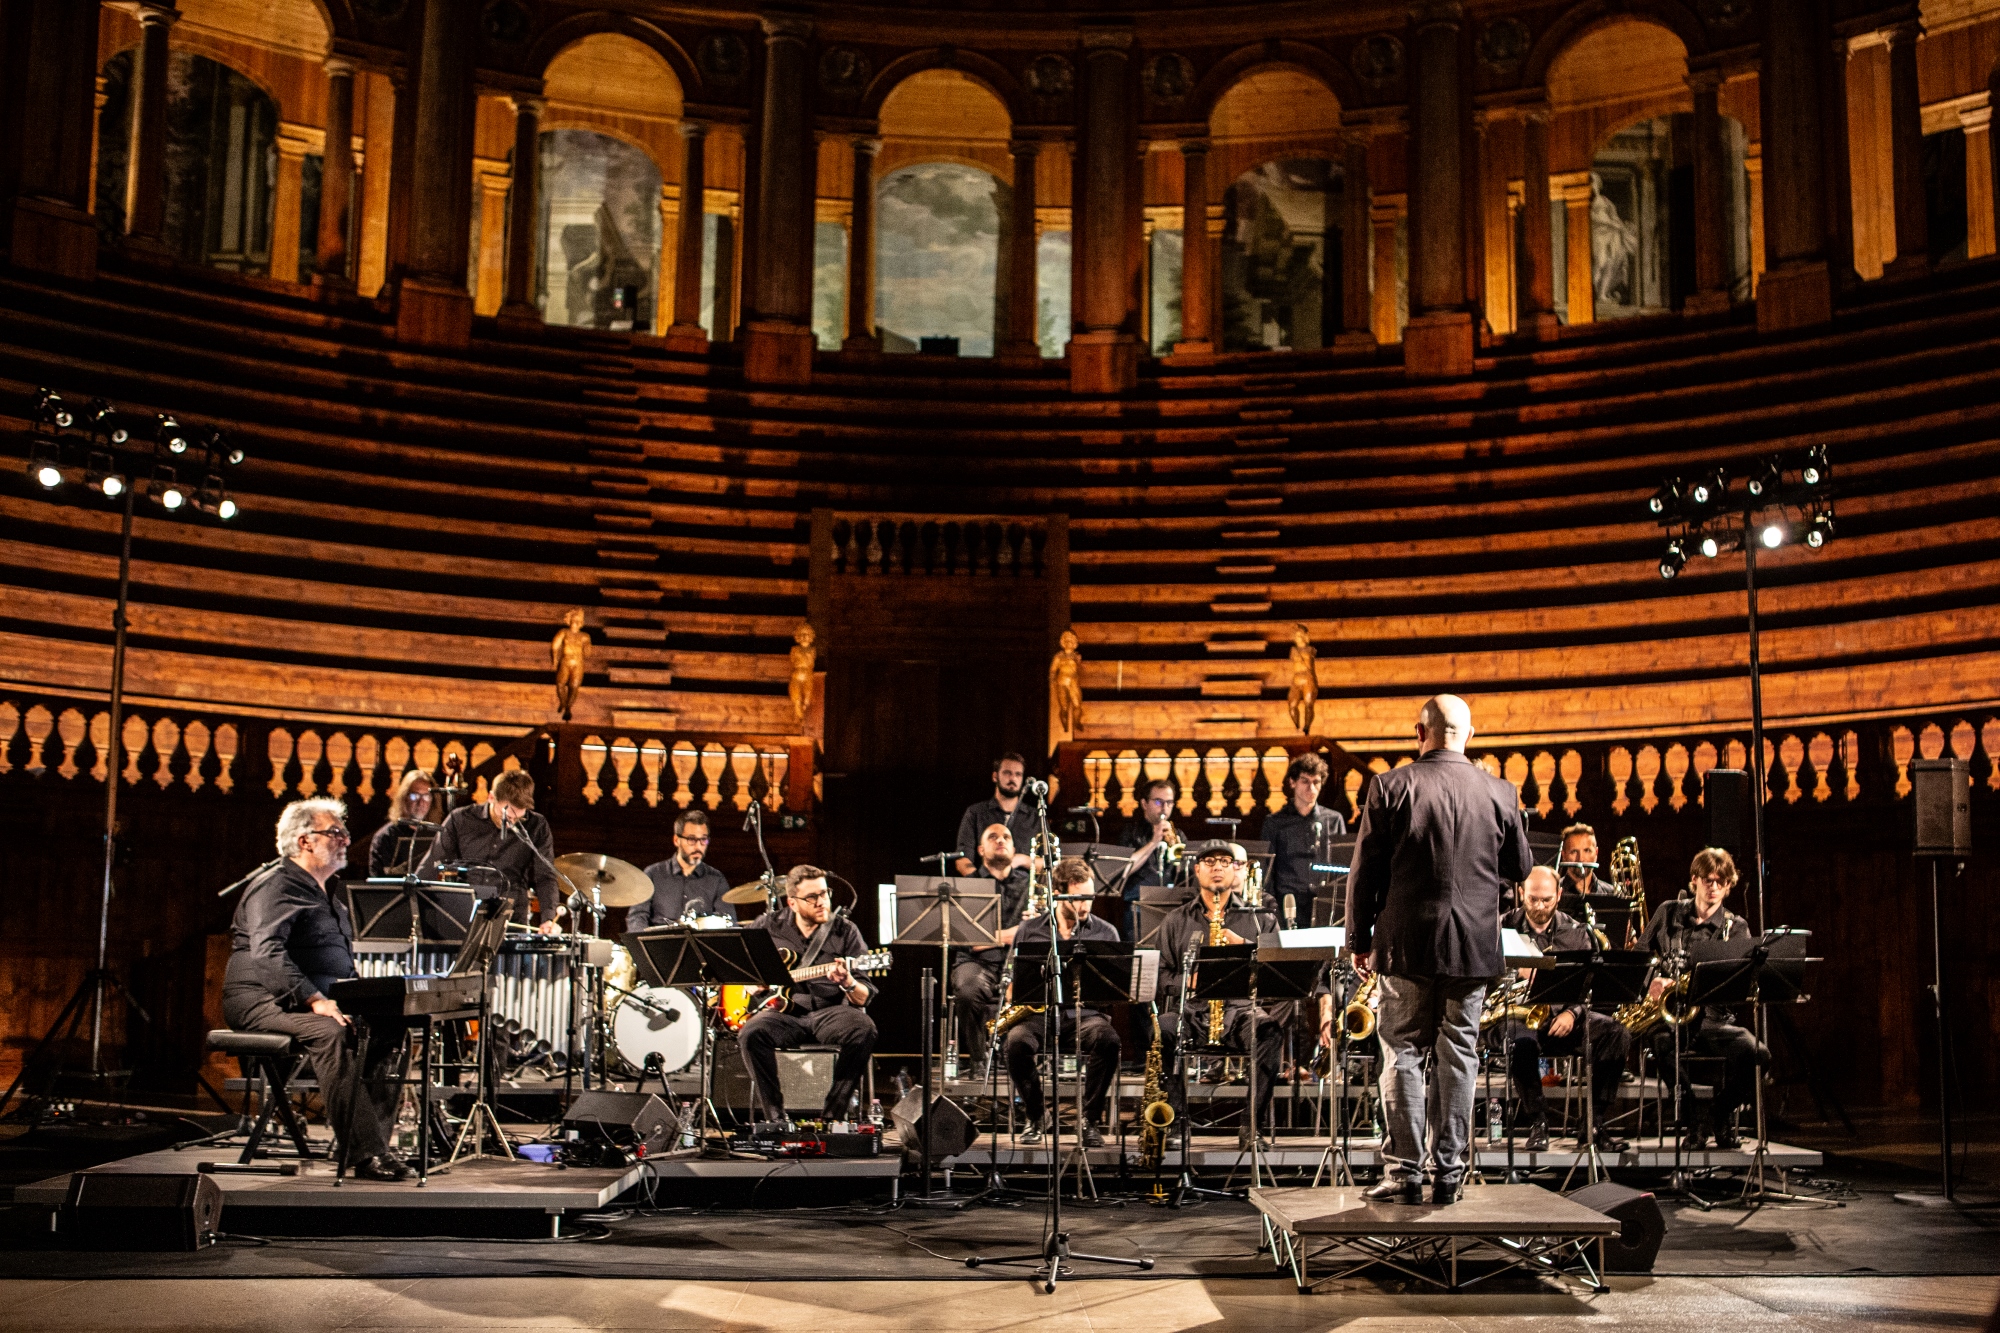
391, 998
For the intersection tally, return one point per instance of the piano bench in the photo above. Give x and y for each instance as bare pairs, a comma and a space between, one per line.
269, 1058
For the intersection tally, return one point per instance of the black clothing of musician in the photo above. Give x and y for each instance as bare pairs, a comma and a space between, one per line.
675, 890
1151, 872
290, 941
1184, 931
1526, 1047
1296, 842
982, 815
382, 859
975, 977
1713, 1032
1094, 1038
817, 1013
470, 836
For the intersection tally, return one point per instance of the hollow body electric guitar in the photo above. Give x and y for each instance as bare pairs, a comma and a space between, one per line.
740, 1004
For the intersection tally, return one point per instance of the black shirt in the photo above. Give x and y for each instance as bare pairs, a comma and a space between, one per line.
382, 847
843, 941
471, 836
1440, 839
972, 825
1673, 928
1033, 941
1187, 927
1153, 870
1564, 932
673, 892
290, 937
1296, 841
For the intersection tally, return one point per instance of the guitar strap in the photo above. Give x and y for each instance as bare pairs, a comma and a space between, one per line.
820, 937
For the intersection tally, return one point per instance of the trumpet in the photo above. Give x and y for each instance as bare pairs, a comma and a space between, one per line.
1357, 1020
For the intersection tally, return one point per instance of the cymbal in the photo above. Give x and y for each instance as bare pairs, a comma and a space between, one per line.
619, 883
753, 892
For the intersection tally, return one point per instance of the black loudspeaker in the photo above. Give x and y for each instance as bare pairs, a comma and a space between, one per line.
118, 1211
616, 1128
952, 1130
1942, 792
1725, 796
1642, 1228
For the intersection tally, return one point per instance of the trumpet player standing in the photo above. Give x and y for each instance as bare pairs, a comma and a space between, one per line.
1561, 1033
1439, 839
1093, 1038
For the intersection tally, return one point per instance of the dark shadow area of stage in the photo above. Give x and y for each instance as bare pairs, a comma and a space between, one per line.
727, 1241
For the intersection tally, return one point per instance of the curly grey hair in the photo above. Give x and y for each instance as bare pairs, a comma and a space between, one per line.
297, 821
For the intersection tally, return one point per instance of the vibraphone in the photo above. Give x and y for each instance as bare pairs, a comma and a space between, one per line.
532, 995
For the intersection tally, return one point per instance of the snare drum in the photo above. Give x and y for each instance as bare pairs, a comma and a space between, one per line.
656, 1020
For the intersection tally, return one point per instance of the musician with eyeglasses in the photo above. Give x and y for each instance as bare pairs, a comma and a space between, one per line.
290, 940
831, 1011
1713, 1031
685, 882
1540, 922
1093, 1038
1220, 908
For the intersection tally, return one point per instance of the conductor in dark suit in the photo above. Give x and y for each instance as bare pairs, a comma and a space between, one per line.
1439, 839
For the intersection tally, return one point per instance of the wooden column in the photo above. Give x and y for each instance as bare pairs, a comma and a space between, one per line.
1536, 285
288, 203
336, 180
1386, 214
861, 336
1356, 314
1022, 346
146, 144
1906, 152
778, 336
495, 181
433, 308
1979, 210
1104, 356
524, 215
1753, 169
1439, 338
1711, 198
1197, 258
1797, 288
378, 133
45, 184
1580, 292
686, 334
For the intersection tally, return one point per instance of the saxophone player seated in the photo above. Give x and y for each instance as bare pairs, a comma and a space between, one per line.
1094, 1038
1561, 1033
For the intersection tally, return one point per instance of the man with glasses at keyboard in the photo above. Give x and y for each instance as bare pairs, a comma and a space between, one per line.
291, 940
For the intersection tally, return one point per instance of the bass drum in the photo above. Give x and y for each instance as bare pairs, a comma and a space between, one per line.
657, 1020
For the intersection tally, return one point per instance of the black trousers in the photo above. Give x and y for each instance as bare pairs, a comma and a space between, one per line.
1739, 1050
975, 985
847, 1026
1095, 1040
1236, 1027
1610, 1043
359, 1072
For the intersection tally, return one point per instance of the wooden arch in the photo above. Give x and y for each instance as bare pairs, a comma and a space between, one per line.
1307, 59
553, 41
1580, 20
983, 70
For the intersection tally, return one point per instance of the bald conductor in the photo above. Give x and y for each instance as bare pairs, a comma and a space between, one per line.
1439, 840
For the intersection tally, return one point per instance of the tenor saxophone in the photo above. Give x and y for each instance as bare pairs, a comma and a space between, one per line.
1357, 1020
1156, 1116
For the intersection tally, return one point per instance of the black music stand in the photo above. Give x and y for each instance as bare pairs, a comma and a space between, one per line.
675, 956
1107, 969
947, 910
1157, 902
411, 910
1256, 973
1586, 977
1610, 913
1759, 970
481, 946
410, 850
1109, 864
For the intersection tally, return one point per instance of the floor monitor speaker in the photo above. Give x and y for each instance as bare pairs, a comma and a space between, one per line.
108, 1210
952, 1130
1641, 1227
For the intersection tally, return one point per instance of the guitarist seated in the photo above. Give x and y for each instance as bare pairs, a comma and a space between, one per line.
830, 1011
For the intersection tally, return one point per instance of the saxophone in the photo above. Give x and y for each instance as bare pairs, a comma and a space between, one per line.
1642, 1016
1215, 933
1627, 879
1156, 1115
1507, 1000
1035, 904
1357, 1020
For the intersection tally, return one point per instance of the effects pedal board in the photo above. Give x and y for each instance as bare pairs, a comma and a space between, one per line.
812, 1140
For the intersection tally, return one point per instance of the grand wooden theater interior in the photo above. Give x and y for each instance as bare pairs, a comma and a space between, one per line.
630, 452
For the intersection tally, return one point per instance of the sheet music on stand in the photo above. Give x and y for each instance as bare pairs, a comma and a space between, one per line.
1108, 971
1520, 951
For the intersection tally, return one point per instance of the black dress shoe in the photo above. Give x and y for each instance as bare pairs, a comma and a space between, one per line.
1538, 1137
1444, 1194
1395, 1191
377, 1168
1609, 1142
1726, 1137
1093, 1137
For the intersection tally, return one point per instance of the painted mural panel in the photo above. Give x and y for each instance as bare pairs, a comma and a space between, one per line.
937, 256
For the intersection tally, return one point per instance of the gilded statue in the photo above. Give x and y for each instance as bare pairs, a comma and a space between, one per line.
568, 652
1066, 684
804, 656
1305, 680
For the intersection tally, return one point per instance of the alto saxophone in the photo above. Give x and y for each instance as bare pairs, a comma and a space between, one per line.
1642, 1016
1357, 1020
1156, 1115
1509, 1000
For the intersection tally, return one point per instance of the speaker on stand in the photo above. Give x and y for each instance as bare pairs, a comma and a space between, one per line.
1941, 794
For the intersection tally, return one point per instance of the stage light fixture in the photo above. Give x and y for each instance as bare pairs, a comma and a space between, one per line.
166, 489
112, 485
1710, 547
1774, 535
1674, 560
1708, 491
226, 509
214, 498
1821, 531
100, 470
1667, 499
1816, 471
171, 437
48, 475
231, 454
1766, 479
